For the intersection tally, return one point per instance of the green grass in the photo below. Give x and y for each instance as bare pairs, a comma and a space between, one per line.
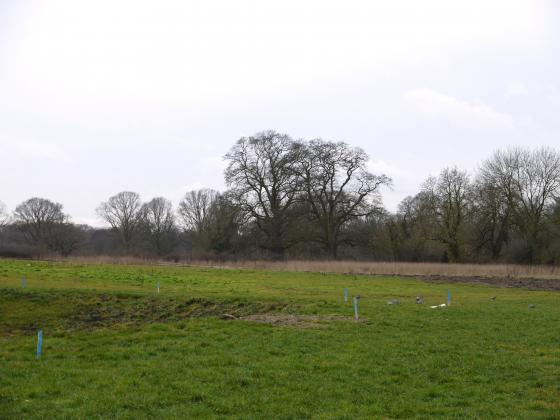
114, 348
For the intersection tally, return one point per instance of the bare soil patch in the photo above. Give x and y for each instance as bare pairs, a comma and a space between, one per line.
63, 311
518, 283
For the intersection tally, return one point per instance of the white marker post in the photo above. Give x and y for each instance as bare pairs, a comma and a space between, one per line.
448, 297
345, 294
23, 282
356, 302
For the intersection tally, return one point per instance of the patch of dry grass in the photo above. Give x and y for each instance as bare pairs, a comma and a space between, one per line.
507, 271
501, 271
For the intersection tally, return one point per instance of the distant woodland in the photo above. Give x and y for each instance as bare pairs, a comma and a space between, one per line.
316, 199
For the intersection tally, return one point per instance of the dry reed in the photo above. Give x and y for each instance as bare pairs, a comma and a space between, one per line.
502, 271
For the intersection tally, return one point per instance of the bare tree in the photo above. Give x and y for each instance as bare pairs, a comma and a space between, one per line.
536, 184
41, 221
195, 209
224, 226
493, 202
122, 212
448, 198
263, 184
529, 182
67, 238
416, 224
4, 217
338, 187
159, 222
197, 212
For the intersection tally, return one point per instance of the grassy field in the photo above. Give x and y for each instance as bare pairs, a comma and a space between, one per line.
113, 347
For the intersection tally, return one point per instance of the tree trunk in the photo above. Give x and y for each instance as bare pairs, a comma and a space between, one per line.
332, 246
454, 252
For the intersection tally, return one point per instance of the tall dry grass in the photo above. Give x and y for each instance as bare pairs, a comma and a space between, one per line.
401, 268
509, 271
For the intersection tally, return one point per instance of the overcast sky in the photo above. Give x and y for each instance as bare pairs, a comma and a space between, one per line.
102, 96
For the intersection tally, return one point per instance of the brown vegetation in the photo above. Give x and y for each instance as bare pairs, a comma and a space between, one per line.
407, 269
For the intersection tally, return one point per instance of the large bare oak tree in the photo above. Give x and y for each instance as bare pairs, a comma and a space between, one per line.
338, 188
263, 183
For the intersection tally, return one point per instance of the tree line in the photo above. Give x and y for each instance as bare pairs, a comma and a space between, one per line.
289, 198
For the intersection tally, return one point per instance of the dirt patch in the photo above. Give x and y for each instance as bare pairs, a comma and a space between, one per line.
518, 283
298, 321
143, 311
25, 311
